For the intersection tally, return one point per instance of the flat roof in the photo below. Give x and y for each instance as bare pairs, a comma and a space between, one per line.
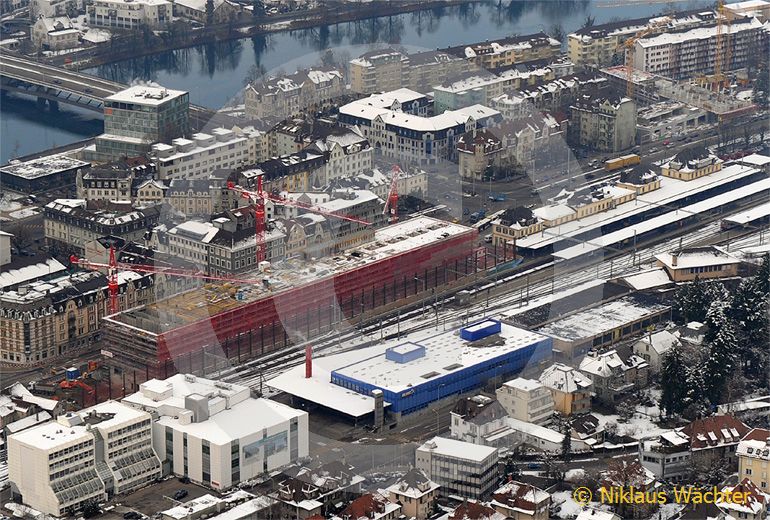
670, 191
288, 274
52, 434
145, 95
196, 505
661, 220
43, 166
18, 276
597, 320
750, 215
458, 449
445, 353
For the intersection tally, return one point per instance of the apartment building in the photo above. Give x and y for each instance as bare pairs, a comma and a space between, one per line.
753, 454
480, 420
688, 52
223, 10
130, 181
411, 181
129, 14
546, 95
570, 390
403, 136
225, 246
50, 316
505, 52
416, 493
202, 197
379, 70
196, 157
600, 45
346, 152
460, 468
603, 121
88, 456
527, 400
430, 68
477, 152
277, 98
71, 223
201, 433
295, 172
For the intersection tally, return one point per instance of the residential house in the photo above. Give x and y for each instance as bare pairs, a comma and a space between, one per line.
613, 378
416, 493
753, 454
654, 346
481, 420
472, 510
527, 400
696, 447
224, 10
54, 34
571, 390
588, 428
372, 506
520, 501
753, 506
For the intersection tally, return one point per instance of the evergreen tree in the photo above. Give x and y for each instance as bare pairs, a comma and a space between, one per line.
675, 381
209, 12
257, 9
721, 356
566, 442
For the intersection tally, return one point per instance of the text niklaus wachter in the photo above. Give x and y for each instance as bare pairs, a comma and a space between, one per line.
631, 495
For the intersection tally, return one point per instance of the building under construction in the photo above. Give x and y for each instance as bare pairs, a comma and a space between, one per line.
292, 300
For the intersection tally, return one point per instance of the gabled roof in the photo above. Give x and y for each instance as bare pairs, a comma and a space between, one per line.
565, 379
714, 431
479, 412
521, 497
475, 511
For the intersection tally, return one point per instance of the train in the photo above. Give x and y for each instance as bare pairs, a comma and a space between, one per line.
621, 162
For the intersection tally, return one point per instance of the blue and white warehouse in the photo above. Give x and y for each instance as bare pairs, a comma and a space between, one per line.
414, 372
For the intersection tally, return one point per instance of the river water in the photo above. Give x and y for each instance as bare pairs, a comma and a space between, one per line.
215, 73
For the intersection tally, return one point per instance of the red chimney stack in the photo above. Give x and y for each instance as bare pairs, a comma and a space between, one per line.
308, 362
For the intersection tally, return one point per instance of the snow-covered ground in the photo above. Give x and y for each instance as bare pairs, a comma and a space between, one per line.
567, 508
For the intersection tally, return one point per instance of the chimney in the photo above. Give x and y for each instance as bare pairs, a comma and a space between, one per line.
674, 259
308, 362
767, 442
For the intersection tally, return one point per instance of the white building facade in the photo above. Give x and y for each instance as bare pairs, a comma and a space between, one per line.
216, 433
527, 400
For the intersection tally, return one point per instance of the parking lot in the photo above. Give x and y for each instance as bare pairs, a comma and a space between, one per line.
155, 498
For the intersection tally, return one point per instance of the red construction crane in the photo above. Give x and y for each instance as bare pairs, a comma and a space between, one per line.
392, 202
260, 196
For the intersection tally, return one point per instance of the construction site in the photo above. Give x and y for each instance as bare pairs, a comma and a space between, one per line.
293, 300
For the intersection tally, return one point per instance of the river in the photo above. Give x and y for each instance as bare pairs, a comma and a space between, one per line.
215, 73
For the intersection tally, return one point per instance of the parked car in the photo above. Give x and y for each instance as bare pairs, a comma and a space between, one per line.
132, 515
184, 480
180, 494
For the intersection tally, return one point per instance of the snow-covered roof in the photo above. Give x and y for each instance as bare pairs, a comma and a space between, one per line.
145, 95
458, 449
192, 507
750, 215
596, 320
661, 341
43, 166
755, 444
564, 379
696, 257
597, 514
647, 279
445, 354
28, 422
535, 430
24, 274
524, 384
553, 212
670, 191
647, 225
697, 33
605, 364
